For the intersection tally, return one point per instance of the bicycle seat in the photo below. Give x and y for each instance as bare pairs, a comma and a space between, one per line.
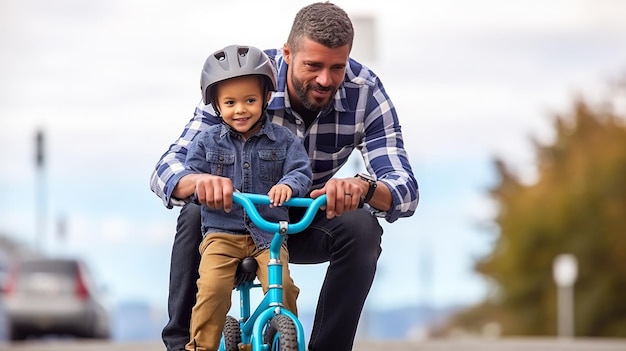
246, 271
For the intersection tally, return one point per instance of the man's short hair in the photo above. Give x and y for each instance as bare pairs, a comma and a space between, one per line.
324, 23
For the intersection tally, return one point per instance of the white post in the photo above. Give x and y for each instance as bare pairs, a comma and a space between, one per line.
565, 271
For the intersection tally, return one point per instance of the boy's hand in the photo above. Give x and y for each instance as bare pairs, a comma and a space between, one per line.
278, 194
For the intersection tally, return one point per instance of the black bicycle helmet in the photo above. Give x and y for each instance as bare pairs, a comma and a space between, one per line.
236, 61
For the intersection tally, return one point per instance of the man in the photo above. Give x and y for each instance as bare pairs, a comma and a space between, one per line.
335, 105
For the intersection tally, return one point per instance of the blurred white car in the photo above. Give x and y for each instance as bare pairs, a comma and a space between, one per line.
53, 296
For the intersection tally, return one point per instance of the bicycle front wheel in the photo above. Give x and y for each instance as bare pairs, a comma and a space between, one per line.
281, 334
231, 334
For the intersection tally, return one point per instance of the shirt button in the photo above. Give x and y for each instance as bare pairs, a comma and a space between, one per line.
246, 165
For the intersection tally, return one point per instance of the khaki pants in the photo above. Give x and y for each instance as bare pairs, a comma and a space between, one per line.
220, 255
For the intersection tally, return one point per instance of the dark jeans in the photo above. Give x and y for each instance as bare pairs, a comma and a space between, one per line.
351, 245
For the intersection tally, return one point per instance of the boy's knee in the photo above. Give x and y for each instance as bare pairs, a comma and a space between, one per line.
214, 291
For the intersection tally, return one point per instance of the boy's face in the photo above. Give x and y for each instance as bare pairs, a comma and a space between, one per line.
240, 101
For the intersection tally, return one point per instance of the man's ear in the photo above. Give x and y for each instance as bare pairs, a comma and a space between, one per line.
287, 53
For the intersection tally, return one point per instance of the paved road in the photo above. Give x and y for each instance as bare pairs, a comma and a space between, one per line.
430, 345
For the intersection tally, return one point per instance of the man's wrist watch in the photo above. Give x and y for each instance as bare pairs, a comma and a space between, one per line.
372, 186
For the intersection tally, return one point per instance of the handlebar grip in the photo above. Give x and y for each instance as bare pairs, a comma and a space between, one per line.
247, 201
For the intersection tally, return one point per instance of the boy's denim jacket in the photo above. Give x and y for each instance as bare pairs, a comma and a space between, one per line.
271, 156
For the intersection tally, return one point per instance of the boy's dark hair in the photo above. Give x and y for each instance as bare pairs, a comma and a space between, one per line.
324, 23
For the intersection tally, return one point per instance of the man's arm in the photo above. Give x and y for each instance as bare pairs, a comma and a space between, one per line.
387, 160
170, 169
382, 147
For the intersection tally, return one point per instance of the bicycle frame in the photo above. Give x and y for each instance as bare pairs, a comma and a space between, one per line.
252, 323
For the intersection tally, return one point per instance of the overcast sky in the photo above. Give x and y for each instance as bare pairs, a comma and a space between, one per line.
112, 83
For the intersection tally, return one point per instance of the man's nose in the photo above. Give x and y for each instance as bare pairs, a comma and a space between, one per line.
324, 78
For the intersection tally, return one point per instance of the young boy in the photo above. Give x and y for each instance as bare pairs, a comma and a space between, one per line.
252, 155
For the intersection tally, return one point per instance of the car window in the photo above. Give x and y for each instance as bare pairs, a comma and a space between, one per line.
47, 277
52, 267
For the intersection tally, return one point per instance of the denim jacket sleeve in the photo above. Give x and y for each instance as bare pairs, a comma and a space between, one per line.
297, 169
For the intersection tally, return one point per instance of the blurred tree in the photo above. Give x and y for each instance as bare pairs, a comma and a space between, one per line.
577, 205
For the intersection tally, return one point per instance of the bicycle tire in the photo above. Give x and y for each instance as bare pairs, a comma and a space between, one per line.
231, 334
281, 334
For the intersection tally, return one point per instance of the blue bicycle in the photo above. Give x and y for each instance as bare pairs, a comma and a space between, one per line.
270, 327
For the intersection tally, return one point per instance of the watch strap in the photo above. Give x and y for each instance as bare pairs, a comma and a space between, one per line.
372, 186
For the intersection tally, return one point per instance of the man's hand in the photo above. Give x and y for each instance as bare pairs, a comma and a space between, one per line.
215, 192
211, 190
341, 195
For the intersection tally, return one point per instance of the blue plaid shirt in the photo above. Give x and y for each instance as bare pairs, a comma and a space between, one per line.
362, 117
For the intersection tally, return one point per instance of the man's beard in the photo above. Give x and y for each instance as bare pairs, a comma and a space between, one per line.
302, 92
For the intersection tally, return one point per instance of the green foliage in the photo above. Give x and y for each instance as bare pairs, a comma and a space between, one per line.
578, 206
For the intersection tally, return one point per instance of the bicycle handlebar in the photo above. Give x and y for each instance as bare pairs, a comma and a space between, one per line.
247, 201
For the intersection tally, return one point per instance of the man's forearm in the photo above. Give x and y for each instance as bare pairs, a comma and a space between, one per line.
186, 187
382, 196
